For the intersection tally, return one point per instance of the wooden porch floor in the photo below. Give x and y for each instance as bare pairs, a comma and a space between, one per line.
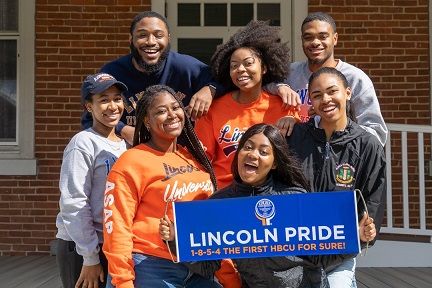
41, 272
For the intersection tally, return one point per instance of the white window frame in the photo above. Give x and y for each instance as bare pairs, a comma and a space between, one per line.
18, 158
296, 11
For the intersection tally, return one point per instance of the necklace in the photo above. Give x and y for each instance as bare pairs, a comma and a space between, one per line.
109, 142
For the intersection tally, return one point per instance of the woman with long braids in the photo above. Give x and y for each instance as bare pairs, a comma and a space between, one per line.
141, 183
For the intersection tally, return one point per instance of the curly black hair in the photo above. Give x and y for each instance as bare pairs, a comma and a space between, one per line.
262, 39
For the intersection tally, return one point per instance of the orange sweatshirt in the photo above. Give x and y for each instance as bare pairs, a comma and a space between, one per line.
227, 120
138, 187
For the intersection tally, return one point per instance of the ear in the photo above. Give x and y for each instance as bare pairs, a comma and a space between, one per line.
88, 106
348, 91
130, 39
264, 69
147, 122
274, 166
335, 38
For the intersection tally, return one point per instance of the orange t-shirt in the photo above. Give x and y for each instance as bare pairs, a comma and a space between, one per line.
138, 187
227, 120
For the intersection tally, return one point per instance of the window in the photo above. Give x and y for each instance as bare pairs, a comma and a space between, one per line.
17, 87
198, 26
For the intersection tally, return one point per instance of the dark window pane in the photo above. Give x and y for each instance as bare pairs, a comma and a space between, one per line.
188, 15
269, 12
8, 15
202, 49
215, 14
8, 89
241, 14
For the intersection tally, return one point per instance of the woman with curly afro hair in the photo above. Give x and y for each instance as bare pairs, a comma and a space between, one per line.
251, 58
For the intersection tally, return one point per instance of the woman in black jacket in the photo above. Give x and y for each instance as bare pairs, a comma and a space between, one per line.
338, 155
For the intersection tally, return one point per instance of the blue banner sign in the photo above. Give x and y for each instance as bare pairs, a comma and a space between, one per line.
277, 225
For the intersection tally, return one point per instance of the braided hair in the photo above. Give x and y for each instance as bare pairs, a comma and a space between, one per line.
187, 136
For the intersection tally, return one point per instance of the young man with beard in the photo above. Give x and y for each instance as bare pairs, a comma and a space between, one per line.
152, 62
319, 37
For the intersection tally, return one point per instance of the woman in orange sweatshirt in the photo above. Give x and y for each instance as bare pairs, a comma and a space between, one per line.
155, 171
251, 58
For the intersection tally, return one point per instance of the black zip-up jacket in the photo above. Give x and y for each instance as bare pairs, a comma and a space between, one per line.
352, 159
275, 272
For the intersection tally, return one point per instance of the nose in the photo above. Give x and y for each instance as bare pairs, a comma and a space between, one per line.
253, 154
315, 42
112, 105
326, 98
151, 39
172, 114
241, 68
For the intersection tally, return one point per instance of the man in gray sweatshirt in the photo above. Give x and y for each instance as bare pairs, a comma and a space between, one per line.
319, 37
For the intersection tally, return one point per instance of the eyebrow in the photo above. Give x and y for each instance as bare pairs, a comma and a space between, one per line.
252, 57
318, 91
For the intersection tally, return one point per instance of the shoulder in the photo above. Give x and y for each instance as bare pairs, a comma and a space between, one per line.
226, 192
352, 72
295, 66
125, 60
367, 140
184, 61
283, 188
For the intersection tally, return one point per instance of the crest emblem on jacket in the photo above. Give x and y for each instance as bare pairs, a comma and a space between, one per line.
345, 175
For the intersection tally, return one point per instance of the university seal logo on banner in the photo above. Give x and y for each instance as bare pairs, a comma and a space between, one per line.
265, 211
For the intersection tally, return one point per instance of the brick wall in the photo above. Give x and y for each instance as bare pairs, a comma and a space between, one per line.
74, 39
387, 39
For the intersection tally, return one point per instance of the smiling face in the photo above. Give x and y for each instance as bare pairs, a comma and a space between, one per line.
165, 119
246, 69
318, 41
329, 97
149, 43
106, 109
255, 160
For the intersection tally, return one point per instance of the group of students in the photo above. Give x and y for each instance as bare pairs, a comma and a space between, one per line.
248, 143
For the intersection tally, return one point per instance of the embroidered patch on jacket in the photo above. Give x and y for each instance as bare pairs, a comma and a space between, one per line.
345, 175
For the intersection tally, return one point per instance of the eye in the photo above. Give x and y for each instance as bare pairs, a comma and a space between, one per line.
161, 111
316, 96
333, 91
247, 147
264, 152
142, 36
233, 66
176, 107
159, 36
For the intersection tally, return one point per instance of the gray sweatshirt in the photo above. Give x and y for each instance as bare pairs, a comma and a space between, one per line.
364, 102
87, 160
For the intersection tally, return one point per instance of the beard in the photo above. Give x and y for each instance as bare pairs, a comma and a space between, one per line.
150, 68
318, 62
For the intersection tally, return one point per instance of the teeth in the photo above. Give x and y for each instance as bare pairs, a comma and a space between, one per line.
329, 109
150, 51
243, 78
251, 164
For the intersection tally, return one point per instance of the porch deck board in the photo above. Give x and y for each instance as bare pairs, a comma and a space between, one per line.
40, 271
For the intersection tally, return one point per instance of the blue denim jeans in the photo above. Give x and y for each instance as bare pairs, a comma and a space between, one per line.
344, 275
155, 272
